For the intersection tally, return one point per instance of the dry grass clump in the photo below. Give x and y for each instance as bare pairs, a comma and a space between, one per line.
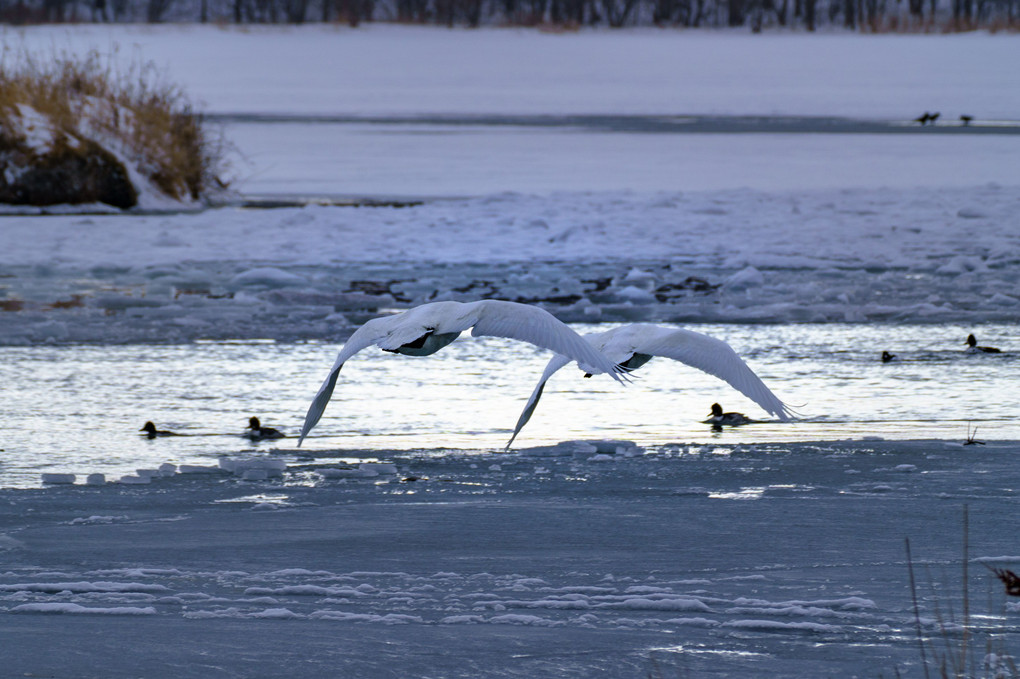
145, 122
971, 648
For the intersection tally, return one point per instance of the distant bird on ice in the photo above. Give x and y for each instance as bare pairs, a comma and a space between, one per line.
151, 432
965, 119
923, 119
717, 418
426, 329
972, 347
256, 432
631, 346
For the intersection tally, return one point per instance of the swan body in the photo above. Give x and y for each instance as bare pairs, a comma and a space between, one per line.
631, 346
257, 432
426, 329
972, 347
717, 418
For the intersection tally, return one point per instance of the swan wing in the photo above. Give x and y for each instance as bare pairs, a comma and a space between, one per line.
555, 363
537, 326
716, 358
368, 334
409, 325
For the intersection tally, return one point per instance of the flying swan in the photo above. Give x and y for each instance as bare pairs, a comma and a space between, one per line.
426, 329
631, 346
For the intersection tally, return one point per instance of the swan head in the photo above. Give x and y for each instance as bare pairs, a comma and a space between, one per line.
149, 427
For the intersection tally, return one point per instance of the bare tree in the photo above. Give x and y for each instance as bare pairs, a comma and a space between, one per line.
471, 10
296, 10
569, 11
849, 14
355, 11
809, 14
415, 11
155, 9
736, 15
53, 10
617, 11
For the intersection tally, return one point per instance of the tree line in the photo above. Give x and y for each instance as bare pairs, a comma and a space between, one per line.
756, 15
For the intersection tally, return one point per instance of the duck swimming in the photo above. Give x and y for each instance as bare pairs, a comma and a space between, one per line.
256, 432
151, 431
887, 357
972, 347
718, 418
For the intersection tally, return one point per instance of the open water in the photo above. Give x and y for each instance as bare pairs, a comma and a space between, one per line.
78, 409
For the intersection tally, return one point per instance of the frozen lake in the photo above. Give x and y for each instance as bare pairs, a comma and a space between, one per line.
427, 158
562, 171
782, 559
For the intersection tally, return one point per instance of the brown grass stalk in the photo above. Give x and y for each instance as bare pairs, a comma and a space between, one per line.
135, 114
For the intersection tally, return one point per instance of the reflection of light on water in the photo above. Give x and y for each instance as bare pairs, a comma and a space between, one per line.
260, 498
742, 494
78, 408
717, 652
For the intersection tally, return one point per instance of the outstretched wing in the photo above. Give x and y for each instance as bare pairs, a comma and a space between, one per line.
539, 327
555, 363
716, 358
365, 336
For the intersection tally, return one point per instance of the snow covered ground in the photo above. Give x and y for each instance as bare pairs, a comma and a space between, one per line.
717, 561
759, 553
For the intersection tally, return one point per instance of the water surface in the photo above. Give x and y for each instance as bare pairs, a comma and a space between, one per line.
78, 408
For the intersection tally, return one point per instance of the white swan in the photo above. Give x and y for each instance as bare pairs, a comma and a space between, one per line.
426, 329
631, 346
